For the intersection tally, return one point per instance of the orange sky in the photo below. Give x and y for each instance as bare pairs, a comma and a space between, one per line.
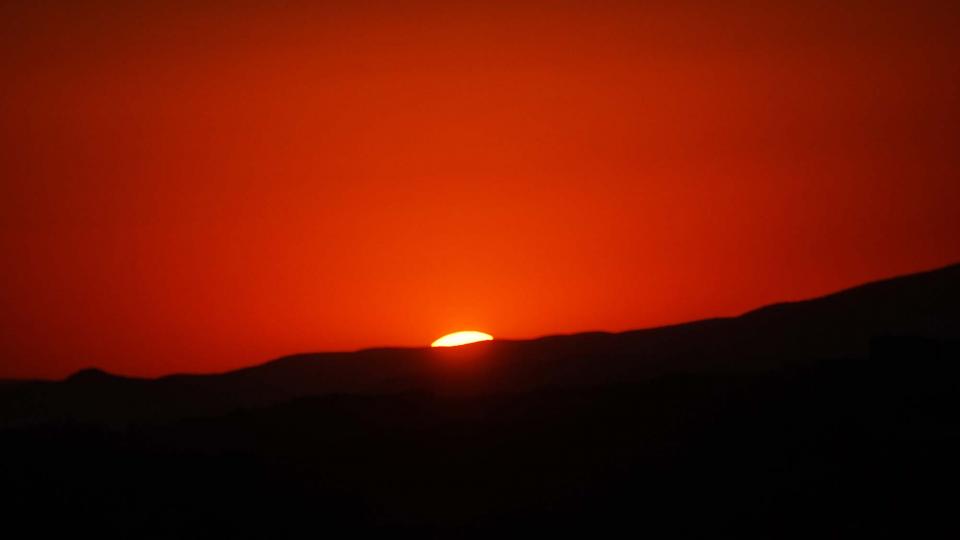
191, 187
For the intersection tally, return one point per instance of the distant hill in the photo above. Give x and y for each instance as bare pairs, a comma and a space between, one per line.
832, 417
839, 325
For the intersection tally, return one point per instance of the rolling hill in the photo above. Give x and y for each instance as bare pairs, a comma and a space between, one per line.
841, 325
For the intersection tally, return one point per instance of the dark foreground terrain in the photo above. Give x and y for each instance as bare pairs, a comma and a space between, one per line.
826, 418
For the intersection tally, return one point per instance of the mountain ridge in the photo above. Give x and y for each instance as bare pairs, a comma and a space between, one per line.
837, 325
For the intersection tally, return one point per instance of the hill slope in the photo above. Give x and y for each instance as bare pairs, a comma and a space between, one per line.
827, 418
839, 325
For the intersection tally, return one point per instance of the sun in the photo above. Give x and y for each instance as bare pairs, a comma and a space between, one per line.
461, 338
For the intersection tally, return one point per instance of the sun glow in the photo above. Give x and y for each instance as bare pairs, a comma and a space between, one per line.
461, 338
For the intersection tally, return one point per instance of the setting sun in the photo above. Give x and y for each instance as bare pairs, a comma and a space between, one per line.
461, 338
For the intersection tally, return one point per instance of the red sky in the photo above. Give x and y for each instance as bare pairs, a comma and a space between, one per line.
199, 186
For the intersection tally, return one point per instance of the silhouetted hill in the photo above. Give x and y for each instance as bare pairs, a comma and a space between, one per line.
837, 448
832, 417
93, 375
839, 325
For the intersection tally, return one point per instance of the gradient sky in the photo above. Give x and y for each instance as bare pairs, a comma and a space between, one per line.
199, 186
